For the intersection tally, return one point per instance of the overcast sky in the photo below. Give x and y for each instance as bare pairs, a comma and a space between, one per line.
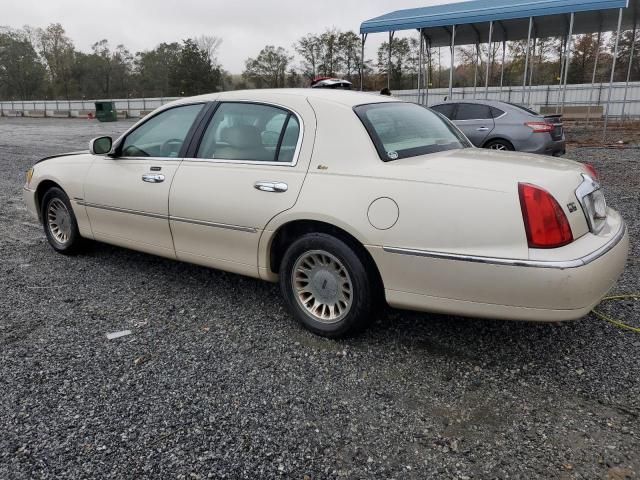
244, 25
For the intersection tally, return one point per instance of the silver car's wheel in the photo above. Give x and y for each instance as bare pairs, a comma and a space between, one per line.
322, 285
59, 221
498, 146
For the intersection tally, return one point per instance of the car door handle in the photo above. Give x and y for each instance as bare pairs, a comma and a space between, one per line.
277, 187
153, 178
482, 129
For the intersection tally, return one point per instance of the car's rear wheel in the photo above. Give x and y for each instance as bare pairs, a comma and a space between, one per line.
326, 285
60, 225
502, 145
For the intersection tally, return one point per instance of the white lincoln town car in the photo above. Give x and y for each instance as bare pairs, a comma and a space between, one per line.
347, 200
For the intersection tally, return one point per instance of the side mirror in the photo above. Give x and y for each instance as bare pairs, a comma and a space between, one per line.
100, 145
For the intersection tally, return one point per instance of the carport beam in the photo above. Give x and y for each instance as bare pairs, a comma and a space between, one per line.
613, 71
486, 77
364, 39
526, 60
626, 85
389, 62
453, 46
593, 76
567, 62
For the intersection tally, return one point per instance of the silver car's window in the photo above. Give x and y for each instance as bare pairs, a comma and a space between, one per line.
401, 130
445, 109
473, 111
162, 135
250, 132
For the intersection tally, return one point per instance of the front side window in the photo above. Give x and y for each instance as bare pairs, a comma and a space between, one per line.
402, 130
162, 135
251, 132
473, 111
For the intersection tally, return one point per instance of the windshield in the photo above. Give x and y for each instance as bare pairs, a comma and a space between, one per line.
402, 130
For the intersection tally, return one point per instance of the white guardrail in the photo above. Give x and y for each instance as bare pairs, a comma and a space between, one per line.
537, 97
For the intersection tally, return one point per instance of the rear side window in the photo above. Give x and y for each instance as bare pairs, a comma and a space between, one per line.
473, 111
496, 112
251, 132
401, 130
445, 109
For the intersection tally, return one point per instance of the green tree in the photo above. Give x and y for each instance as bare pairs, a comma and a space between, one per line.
22, 75
153, 70
268, 69
400, 54
193, 73
58, 52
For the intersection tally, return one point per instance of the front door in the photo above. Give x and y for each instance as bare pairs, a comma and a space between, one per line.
127, 196
249, 166
475, 120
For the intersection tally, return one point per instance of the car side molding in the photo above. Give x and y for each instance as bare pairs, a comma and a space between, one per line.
511, 262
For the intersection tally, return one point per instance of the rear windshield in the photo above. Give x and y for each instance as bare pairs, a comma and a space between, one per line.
402, 130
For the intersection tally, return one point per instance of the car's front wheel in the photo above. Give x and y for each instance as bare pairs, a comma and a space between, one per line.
60, 225
326, 285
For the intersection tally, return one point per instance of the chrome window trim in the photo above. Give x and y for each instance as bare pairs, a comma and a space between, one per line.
556, 264
167, 217
296, 152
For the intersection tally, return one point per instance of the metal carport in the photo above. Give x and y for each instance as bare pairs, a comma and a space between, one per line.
488, 21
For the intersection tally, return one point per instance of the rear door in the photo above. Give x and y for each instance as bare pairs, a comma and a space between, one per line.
475, 120
249, 166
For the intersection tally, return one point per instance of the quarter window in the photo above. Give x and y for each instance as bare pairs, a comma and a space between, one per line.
473, 111
445, 109
162, 135
252, 132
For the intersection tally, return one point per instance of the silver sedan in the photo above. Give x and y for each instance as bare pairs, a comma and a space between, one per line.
506, 126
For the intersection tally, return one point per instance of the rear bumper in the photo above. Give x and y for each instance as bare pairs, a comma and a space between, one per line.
537, 289
548, 146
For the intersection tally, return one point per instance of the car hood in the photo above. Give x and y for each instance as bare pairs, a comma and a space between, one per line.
59, 155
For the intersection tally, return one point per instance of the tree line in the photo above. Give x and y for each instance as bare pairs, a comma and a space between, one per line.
37, 63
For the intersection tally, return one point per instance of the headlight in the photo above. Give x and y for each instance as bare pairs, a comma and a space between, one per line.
29, 175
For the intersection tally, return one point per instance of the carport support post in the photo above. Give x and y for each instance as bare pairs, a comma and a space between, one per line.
526, 59
475, 72
562, 54
504, 53
389, 62
420, 55
428, 73
567, 62
593, 77
364, 39
626, 85
533, 64
453, 46
486, 77
613, 71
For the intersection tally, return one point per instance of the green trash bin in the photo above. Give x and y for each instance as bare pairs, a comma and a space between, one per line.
106, 111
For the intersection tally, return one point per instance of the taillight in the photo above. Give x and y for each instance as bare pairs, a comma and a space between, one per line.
591, 170
540, 127
544, 221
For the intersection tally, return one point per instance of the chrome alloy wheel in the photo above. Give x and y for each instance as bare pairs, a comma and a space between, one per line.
498, 146
59, 221
322, 286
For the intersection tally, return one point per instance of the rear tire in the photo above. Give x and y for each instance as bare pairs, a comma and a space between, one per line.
60, 225
326, 285
501, 145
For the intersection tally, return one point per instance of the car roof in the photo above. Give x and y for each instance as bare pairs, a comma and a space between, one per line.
347, 98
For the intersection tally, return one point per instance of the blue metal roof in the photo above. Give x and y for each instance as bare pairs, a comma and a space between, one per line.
482, 11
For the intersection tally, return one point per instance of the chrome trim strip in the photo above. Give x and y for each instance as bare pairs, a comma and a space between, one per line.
165, 217
557, 264
214, 224
121, 210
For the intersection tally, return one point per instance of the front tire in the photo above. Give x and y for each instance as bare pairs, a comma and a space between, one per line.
60, 225
326, 285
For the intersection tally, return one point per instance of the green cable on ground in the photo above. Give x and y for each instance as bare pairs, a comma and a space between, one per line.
614, 321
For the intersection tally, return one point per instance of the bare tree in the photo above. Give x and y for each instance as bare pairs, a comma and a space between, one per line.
210, 45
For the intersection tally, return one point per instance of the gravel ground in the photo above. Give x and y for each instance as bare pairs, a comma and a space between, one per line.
218, 381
